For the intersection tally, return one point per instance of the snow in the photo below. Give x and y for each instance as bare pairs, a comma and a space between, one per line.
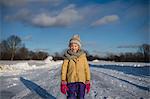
129, 83
40, 79
23, 66
26, 65
14, 84
49, 59
95, 61
134, 64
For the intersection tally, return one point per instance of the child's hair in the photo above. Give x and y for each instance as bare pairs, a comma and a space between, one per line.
75, 39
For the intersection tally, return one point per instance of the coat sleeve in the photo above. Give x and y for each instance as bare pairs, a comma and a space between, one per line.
64, 70
87, 69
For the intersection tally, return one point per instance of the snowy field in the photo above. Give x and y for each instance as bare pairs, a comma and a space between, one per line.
41, 80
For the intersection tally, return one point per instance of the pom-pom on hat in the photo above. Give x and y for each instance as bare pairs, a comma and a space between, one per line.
75, 39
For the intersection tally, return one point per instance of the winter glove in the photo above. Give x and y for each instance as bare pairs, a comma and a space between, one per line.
88, 85
64, 87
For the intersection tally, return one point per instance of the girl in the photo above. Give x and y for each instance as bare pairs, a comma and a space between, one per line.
75, 73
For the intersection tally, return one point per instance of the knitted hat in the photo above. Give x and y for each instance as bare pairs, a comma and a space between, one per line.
75, 39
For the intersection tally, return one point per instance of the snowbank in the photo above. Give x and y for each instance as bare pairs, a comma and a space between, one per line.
17, 66
49, 59
23, 66
95, 61
134, 64
26, 65
54, 63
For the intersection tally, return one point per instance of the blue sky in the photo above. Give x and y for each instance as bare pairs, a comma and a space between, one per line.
105, 26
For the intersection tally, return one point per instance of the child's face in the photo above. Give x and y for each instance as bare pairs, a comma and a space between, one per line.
74, 47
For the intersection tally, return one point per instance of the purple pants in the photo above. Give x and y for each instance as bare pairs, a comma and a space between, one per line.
76, 90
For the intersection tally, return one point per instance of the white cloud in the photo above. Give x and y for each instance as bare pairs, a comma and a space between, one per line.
106, 20
40, 49
43, 20
66, 17
27, 38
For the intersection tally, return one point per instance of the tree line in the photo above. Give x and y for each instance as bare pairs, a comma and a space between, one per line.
142, 55
13, 49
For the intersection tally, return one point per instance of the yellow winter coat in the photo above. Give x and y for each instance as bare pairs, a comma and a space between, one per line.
75, 70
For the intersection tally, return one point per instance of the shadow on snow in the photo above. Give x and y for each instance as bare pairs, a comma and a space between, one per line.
36, 88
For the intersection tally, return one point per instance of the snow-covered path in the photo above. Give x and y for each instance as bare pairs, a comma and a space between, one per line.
44, 83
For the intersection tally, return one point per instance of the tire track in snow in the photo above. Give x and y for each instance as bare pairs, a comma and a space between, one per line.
106, 89
120, 85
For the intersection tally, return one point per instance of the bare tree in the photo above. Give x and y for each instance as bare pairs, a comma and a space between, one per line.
145, 49
13, 43
23, 53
